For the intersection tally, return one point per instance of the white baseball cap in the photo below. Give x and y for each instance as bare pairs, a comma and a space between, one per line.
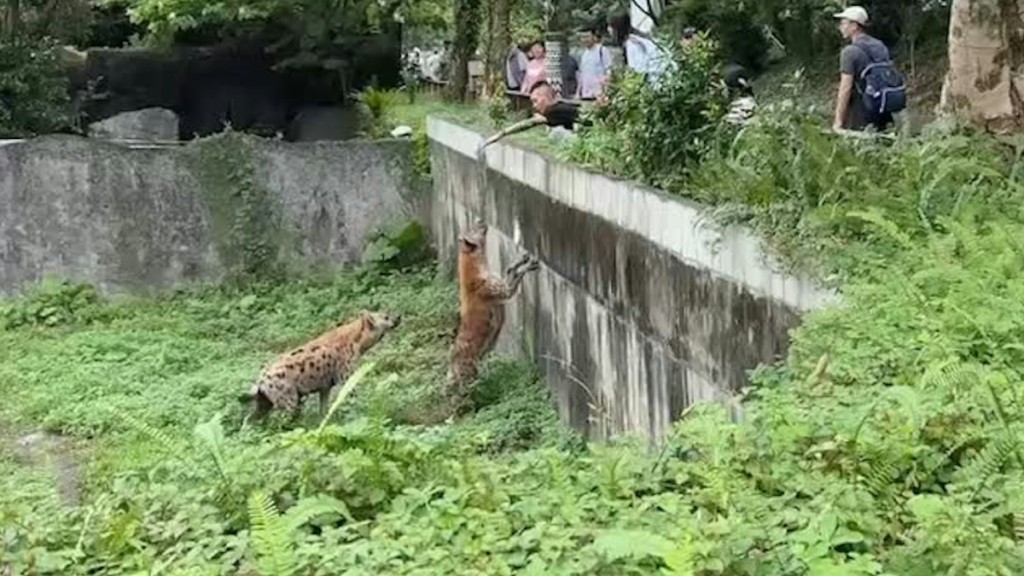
854, 14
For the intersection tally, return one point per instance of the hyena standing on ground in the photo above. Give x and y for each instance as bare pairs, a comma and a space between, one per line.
317, 366
482, 298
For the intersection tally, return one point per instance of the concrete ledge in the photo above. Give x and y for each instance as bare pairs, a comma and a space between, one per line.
641, 307
671, 222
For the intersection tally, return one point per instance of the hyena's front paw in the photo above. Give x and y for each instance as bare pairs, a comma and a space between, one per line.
531, 264
518, 265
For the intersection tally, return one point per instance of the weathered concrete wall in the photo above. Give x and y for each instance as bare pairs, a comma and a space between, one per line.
632, 316
129, 219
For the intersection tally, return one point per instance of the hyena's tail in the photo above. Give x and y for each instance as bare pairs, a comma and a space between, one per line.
250, 395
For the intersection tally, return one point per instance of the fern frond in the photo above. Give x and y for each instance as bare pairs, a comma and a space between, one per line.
883, 224
354, 380
990, 461
271, 538
879, 476
952, 375
160, 438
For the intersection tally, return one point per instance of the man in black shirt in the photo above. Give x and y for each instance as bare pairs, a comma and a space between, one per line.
547, 109
862, 52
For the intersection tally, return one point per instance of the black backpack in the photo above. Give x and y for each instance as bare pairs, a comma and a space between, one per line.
883, 89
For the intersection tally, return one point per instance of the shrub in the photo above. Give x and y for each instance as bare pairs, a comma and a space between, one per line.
655, 132
34, 89
805, 28
814, 195
733, 24
52, 304
377, 106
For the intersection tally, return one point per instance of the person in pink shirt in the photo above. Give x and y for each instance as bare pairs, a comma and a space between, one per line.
536, 68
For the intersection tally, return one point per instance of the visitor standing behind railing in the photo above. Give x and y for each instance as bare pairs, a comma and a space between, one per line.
536, 68
866, 75
643, 55
595, 65
515, 68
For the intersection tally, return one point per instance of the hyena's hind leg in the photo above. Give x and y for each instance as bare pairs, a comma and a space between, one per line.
325, 397
462, 374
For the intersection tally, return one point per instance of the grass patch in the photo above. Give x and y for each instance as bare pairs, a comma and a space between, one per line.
888, 442
148, 388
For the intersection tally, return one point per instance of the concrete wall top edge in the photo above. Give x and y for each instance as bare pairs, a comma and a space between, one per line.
678, 224
74, 139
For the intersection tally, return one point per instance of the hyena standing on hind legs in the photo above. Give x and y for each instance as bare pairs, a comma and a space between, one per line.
482, 298
317, 366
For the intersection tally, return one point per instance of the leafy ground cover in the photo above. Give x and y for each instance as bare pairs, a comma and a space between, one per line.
144, 391
888, 443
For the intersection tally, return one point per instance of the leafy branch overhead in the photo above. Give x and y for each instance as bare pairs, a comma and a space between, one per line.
301, 32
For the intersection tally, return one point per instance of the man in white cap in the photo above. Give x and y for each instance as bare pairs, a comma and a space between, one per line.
862, 52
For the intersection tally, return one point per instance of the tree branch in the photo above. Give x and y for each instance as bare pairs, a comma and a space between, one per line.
646, 10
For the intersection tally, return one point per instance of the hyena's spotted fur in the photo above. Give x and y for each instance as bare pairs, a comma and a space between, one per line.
482, 298
317, 366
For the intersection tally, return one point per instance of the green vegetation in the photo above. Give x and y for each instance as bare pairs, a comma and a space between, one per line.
303, 30
890, 442
147, 388
656, 132
33, 89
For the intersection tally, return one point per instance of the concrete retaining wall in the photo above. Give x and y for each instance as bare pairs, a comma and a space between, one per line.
130, 219
632, 316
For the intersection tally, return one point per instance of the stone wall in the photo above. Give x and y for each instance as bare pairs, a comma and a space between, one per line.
634, 314
131, 219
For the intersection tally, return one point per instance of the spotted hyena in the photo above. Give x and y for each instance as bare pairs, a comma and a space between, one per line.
317, 366
482, 298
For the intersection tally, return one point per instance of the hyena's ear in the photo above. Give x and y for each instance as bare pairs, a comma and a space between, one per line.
368, 321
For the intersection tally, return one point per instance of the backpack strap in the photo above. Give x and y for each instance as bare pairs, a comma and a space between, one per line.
872, 64
632, 40
872, 61
642, 45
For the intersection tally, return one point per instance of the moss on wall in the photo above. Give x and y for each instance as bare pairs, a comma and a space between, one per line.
245, 219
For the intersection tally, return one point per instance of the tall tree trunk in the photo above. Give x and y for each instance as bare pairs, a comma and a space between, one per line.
467, 35
556, 45
985, 82
555, 49
499, 41
11, 21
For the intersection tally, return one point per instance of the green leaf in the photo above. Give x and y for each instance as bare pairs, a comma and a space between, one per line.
926, 507
308, 509
829, 567
847, 536
637, 544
